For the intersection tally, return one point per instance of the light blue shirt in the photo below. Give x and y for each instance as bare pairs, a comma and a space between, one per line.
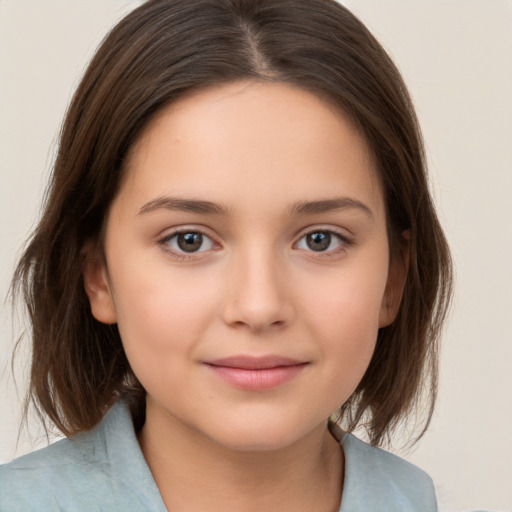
105, 470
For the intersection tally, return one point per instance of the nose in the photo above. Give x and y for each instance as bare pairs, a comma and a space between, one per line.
257, 296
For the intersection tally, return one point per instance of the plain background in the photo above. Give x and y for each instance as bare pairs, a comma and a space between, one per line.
456, 57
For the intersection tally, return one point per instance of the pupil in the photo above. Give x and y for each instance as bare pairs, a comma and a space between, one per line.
318, 241
190, 242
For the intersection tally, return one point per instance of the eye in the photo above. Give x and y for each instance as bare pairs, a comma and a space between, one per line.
321, 241
189, 242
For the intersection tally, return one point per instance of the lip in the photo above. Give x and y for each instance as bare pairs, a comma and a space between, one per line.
256, 373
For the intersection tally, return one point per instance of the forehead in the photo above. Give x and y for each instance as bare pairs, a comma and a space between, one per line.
254, 138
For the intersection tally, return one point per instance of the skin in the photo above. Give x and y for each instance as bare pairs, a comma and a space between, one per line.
254, 287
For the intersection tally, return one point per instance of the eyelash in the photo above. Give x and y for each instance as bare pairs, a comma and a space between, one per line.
344, 243
183, 256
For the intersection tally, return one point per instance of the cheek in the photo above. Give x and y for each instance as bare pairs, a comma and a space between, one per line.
344, 319
348, 300
160, 317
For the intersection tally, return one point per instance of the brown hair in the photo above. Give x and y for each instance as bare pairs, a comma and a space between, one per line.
159, 52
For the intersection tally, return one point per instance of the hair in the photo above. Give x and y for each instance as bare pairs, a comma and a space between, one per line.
160, 52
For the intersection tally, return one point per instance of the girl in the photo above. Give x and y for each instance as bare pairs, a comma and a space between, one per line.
237, 265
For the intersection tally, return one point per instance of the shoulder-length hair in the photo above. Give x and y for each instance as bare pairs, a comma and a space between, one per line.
160, 52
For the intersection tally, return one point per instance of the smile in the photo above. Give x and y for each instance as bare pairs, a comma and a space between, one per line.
256, 373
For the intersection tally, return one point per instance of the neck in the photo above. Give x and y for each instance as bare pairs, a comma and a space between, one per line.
193, 473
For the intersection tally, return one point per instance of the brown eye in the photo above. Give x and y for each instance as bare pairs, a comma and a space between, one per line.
189, 242
321, 241
318, 241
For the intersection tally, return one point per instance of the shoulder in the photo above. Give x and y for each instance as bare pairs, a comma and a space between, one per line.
56, 477
103, 469
379, 480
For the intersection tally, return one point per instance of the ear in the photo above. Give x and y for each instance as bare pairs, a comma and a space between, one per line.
97, 287
397, 275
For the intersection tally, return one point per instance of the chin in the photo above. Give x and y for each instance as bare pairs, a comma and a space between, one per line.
258, 436
259, 443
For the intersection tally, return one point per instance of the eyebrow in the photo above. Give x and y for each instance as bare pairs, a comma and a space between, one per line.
210, 208
329, 205
184, 205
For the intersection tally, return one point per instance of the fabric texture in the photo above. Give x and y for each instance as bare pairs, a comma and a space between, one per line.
105, 470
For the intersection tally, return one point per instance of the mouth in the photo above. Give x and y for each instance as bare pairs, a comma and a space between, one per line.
256, 373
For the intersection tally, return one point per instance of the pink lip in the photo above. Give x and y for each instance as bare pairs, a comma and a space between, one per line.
256, 373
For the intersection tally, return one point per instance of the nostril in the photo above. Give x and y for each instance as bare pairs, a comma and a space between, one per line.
256, 295
257, 316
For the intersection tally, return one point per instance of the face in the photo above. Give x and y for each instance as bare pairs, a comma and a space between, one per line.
247, 264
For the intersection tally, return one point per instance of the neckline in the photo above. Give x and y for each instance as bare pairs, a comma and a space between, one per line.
132, 471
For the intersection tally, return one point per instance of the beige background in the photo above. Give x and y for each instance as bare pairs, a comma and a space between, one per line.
456, 56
